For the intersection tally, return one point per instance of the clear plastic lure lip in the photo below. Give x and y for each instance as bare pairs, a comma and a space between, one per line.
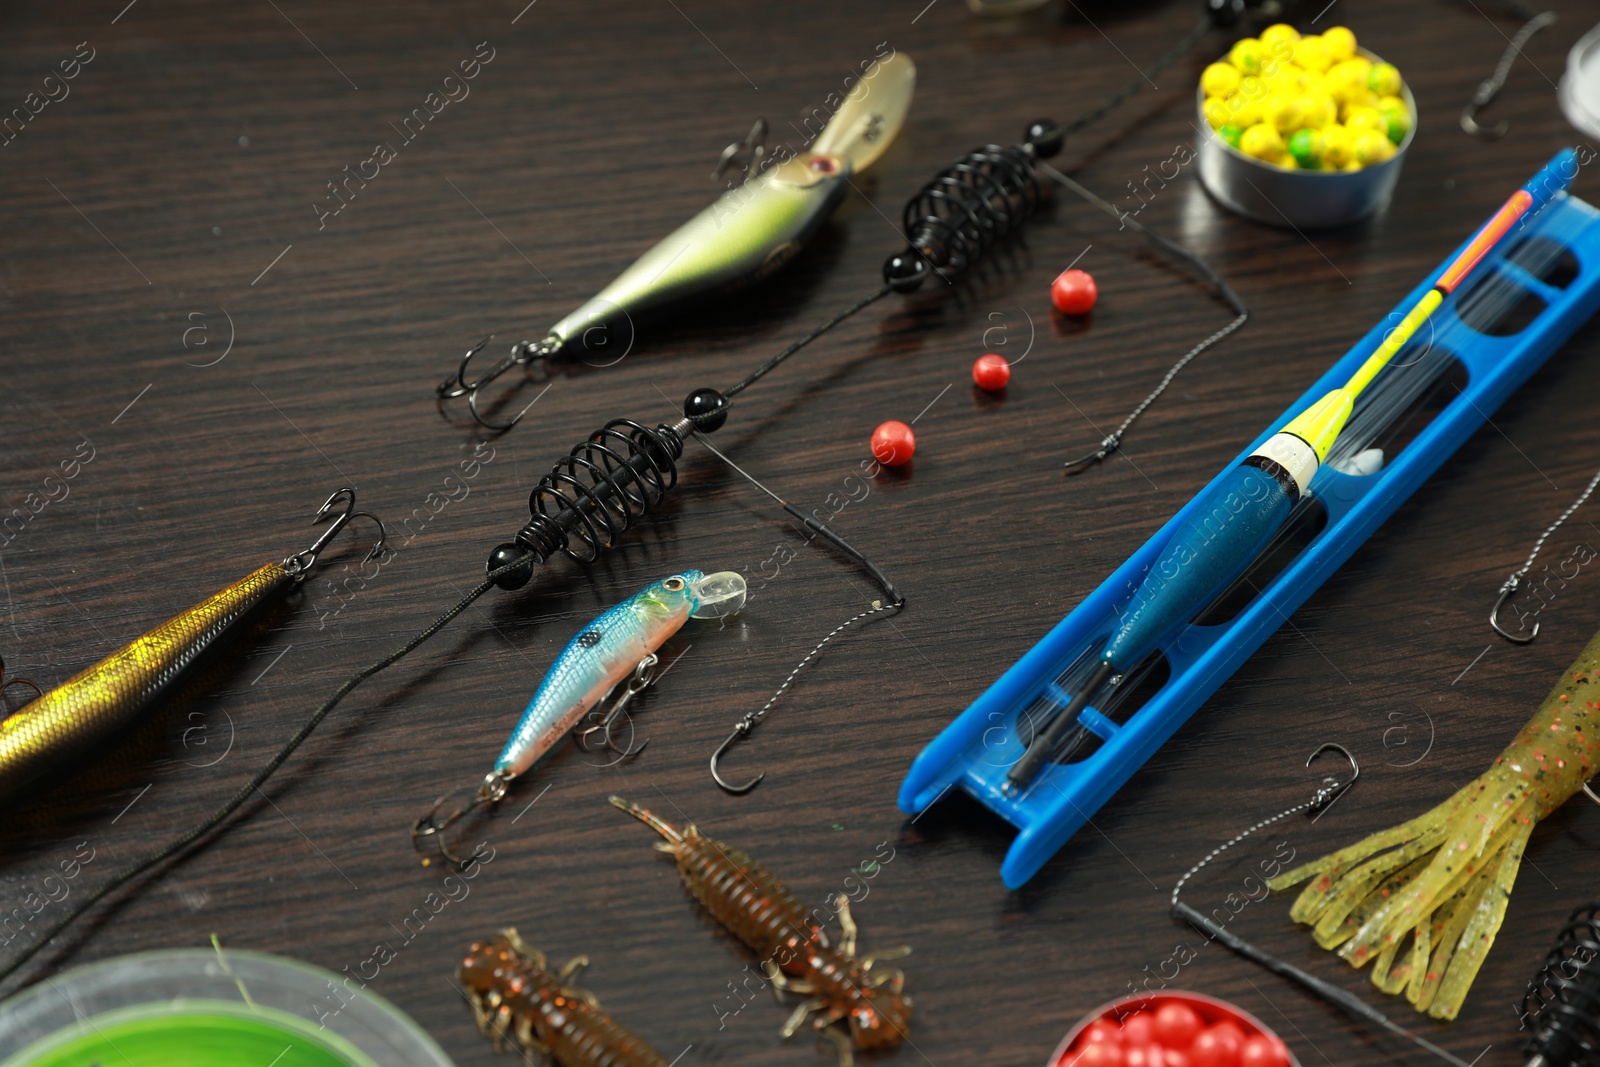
719, 595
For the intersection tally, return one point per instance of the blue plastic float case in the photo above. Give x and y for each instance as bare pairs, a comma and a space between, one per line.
1533, 290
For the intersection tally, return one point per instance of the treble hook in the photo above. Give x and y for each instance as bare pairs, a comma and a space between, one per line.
495, 786
755, 141
1331, 786
643, 675
1506, 592
301, 562
740, 732
522, 354
7, 684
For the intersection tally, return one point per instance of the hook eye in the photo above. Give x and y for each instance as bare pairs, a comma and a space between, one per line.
1506, 592
1332, 788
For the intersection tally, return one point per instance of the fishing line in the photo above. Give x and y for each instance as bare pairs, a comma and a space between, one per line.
1113, 440
181, 844
1352, 1005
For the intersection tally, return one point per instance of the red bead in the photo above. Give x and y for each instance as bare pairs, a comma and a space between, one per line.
1262, 1051
1177, 1025
893, 443
1074, 292
991, 372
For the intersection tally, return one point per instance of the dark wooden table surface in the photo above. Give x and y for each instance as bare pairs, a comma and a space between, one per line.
164, 209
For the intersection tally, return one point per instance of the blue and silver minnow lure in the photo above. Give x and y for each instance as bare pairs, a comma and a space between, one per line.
616, 653
749, 232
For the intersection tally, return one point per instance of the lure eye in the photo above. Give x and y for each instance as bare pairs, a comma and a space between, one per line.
673, 585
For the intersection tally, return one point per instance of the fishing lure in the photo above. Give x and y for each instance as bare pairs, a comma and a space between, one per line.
744, 236
515, 996
794, 948
614, 653
1422, 901
95, 705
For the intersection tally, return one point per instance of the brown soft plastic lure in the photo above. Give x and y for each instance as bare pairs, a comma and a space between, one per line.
63, 724
517, 998
1424, 899
795, 953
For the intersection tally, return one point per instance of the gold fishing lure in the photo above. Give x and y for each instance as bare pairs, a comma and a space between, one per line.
63, 725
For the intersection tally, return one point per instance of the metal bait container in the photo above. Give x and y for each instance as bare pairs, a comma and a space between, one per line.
1297, 199
1580, 85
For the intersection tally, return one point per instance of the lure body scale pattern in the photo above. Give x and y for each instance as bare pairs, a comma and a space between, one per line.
592, 664
65, 723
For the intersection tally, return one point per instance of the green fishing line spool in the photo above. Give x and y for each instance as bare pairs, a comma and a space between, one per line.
201, 1008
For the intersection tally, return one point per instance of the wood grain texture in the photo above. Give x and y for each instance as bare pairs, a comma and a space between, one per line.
183, 165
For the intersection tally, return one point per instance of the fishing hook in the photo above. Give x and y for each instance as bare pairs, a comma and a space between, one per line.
755, 141
522, 354
740, 732
7, 684
1506, 592
1490, 87
301, 562
495, 786
1332, 788
643, 675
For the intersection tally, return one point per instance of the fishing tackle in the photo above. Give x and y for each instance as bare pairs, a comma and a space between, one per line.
744, 236
1422, 901
1509, 588
1331, 789
615, 654
515, 997
1561, 1009
1182, 595
617, 476
1243, 509
794, 948
100, 702
1490, 87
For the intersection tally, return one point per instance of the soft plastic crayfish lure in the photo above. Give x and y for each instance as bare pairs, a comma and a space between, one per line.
97, 703
617, 651
795, 952
1424, 899
514, 995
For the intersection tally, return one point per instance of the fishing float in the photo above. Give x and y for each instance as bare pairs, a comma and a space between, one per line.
1247, 507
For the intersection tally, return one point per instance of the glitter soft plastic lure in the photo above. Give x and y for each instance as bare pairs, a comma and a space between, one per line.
617, 651
62, 726
1423, 901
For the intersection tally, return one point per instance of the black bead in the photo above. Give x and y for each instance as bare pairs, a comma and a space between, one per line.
904, 271
1224, 13
1046, 144
511, 553
707, 409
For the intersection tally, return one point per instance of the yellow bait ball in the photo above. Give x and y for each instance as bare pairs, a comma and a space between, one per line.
1383, 79
1216, 112
1284, 114
1348, 79
1318, 110
1394, 111
1341, 43
1247, 55
1280, 32
1312, 54
1372, 146
1262, 141
1365, 118
1337, 149
1220, 79
1244, 110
